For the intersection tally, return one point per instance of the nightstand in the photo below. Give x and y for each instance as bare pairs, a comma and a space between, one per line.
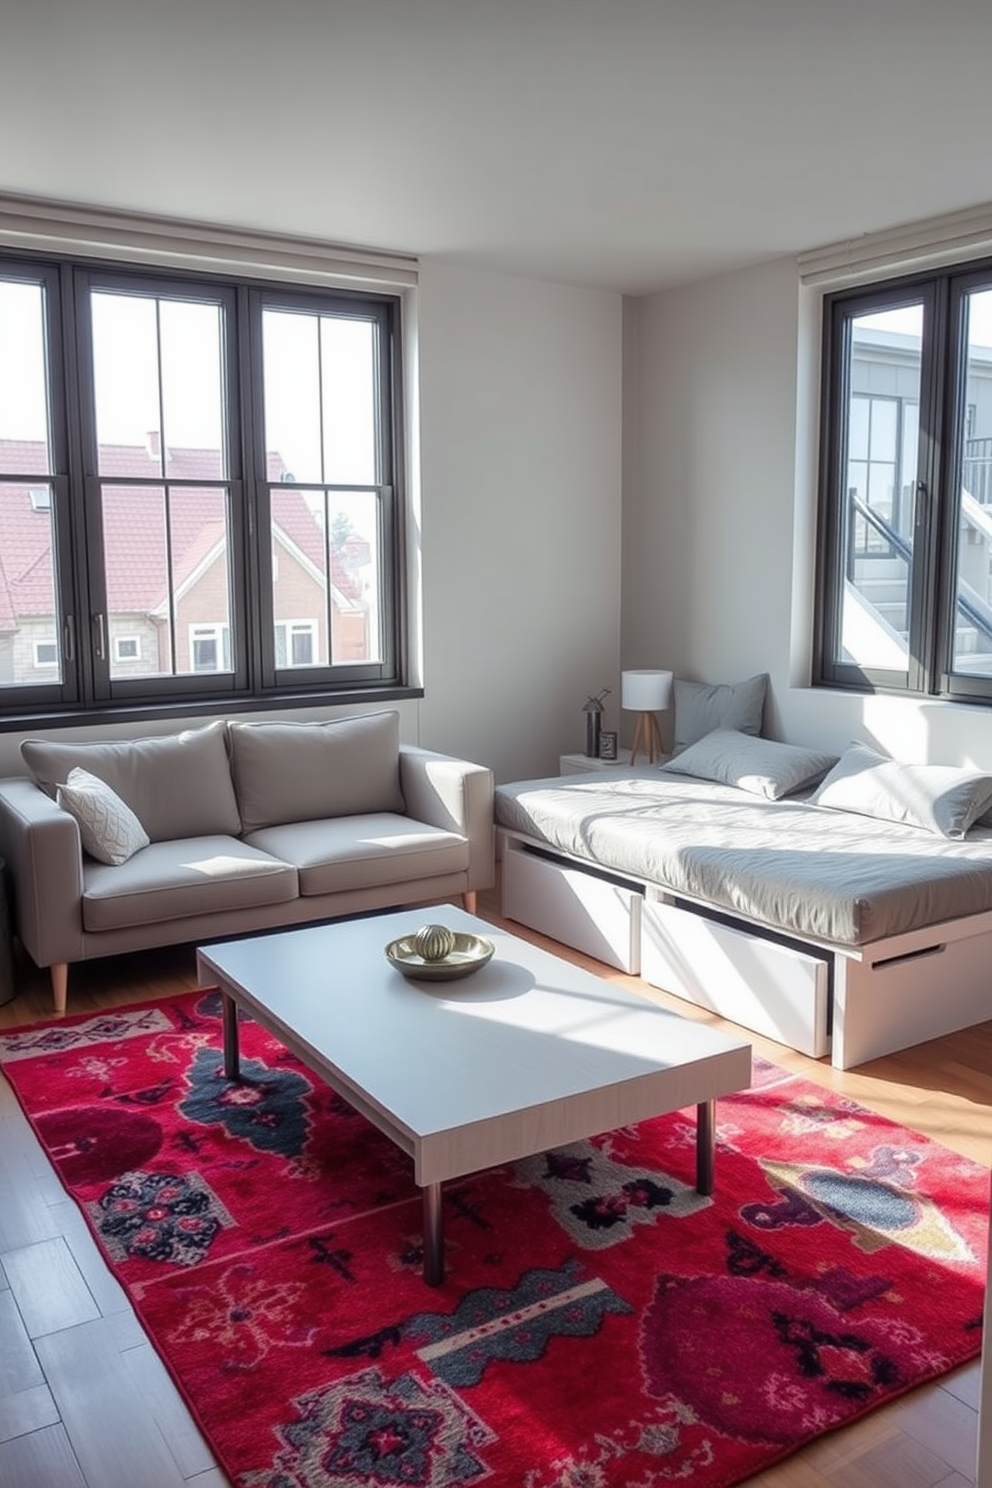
580, 764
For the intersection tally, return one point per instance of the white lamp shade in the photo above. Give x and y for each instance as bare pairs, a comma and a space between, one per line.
645, 691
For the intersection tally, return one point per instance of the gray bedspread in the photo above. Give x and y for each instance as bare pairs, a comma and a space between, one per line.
806, 870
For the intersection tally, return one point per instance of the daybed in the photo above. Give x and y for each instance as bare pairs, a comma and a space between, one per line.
233, 828
852, 917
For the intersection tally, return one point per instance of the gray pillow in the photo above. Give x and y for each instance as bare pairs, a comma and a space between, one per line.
701, 707
288, 772
943, 799
178, 785
764, 767
108, 828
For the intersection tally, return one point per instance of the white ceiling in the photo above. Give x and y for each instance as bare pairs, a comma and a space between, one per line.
628, 144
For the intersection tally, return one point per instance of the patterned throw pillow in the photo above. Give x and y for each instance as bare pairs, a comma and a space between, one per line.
109, 829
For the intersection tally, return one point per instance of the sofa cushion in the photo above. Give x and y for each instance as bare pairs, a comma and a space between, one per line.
293, 772
360, 852
170, 880
178, 785
108, 828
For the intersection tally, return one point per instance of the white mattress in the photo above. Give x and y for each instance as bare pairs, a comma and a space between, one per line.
805, 870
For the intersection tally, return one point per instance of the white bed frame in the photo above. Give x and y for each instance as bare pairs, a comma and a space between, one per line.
854, 1003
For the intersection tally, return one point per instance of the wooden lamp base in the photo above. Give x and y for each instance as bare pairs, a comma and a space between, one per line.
647, 736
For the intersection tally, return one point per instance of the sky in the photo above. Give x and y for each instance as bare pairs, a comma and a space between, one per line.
133, 400
908, 320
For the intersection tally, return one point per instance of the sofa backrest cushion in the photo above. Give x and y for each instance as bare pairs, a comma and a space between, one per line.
289, 772
177, 786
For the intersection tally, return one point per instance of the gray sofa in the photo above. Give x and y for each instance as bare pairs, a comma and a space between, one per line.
233, 828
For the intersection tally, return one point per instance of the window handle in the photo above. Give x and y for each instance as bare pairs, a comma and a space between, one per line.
99, 620
920, 495
69, 639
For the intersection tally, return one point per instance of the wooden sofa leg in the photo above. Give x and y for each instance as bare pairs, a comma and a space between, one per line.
60, 985
469, 901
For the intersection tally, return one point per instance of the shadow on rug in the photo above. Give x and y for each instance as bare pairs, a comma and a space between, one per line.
601, 1325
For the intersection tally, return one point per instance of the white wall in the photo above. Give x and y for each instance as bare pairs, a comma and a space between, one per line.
519, 493
719, 512
520, 463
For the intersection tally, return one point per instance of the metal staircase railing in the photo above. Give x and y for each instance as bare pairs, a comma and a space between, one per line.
969, 603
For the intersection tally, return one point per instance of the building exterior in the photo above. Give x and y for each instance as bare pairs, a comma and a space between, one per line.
165, 550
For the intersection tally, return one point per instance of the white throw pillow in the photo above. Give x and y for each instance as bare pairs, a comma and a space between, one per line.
109, 829
943, 799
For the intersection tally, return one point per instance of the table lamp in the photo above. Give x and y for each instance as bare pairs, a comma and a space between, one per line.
646, 693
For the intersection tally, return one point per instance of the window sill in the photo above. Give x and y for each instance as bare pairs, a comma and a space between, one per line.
283, 702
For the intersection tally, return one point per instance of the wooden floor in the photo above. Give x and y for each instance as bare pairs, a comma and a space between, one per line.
86, 1403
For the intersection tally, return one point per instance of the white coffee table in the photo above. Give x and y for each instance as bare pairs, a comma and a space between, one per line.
523, 1056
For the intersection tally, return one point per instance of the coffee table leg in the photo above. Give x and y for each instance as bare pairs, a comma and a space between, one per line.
433, 1235
705, 1145
229, 1023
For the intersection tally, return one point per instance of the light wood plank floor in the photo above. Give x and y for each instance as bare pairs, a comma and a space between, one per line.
86, 1403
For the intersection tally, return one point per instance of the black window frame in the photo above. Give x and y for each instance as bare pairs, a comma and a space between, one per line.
255, 682
938, 478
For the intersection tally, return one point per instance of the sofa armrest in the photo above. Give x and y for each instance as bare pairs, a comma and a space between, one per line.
456, 796
40, 845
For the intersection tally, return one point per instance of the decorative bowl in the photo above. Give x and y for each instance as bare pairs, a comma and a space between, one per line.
470, 953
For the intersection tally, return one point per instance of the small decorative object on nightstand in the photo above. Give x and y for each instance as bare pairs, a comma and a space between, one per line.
593, 710
646, 693
608, 745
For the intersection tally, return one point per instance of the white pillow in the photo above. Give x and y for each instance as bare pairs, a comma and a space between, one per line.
109, 829
943, 799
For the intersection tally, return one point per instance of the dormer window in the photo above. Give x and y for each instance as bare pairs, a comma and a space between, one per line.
40, 498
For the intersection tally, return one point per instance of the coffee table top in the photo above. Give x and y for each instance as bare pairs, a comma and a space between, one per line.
525, 1054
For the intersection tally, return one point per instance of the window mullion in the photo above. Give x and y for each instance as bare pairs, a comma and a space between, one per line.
928, 503
97, 591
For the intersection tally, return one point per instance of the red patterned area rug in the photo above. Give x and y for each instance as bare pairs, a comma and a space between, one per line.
601, 1324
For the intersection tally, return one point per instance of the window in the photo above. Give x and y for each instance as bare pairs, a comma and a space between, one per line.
210, 648
905, 545
296, 643
127, 648
46, 653
185, 462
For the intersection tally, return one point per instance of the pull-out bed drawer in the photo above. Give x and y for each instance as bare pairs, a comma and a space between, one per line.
595, 912
767, 985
